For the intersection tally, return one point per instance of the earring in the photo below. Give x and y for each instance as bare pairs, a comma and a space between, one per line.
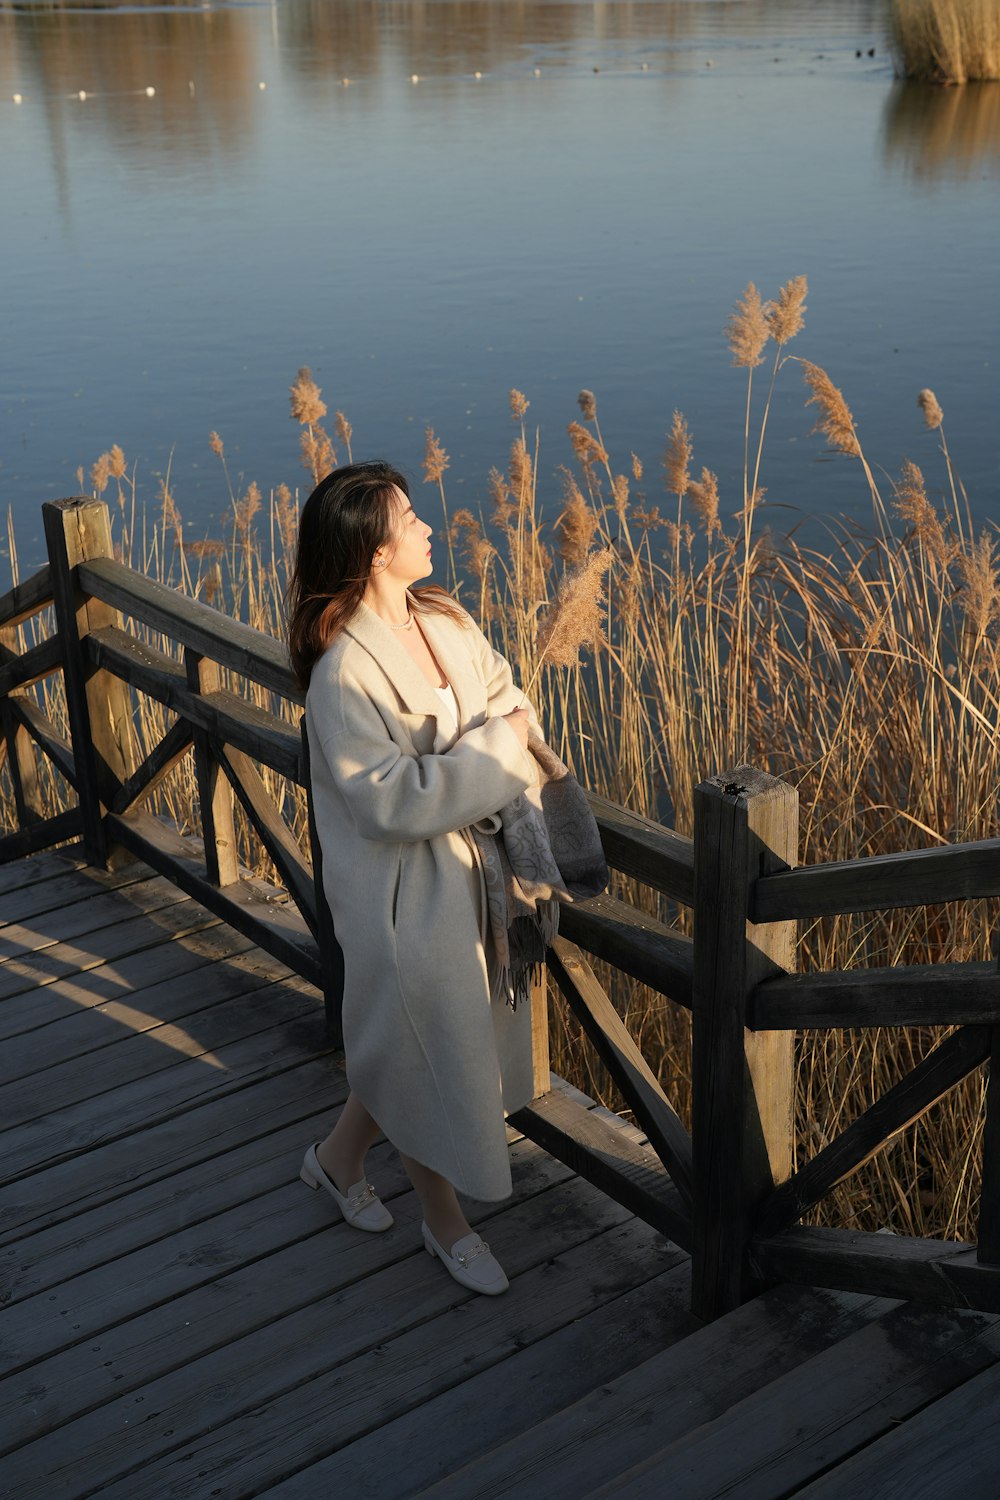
380, 562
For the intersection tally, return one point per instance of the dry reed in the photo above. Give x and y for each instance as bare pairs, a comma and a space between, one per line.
947, 41
867, 673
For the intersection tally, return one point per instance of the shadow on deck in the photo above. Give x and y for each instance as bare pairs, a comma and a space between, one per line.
183, 1318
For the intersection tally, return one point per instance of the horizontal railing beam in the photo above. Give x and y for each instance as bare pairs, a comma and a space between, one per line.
31, 666
27, 598
634, 942
609, 1157
272, 924
637, 846
193, 623
223, 714
943, 1272
881, 882
918, 995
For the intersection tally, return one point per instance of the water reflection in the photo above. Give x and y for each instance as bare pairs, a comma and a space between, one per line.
201, 63
935, 132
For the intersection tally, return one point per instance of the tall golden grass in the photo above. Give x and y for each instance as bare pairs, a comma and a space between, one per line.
947, 41
865, 670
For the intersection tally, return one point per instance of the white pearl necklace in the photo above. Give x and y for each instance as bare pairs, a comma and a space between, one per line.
406, 625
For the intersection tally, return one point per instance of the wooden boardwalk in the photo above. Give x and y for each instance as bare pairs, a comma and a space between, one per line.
182, 1317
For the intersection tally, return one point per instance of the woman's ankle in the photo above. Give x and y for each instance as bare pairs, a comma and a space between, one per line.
342, 1175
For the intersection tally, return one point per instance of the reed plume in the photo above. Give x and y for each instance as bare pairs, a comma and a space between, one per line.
748, 329
587, 403
577, 615
436, 459
306, 402
345, 432
931, 408
835, 420
519, 404
577, 523
704, 496
785, 317
677, 458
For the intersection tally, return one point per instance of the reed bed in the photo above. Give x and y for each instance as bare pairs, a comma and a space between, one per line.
947, 41
866, 671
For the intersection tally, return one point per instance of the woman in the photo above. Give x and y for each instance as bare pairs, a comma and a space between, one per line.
416, 731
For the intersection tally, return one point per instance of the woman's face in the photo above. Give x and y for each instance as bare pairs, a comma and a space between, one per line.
408, 556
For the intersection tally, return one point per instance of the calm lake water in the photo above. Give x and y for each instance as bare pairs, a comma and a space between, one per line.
584, 214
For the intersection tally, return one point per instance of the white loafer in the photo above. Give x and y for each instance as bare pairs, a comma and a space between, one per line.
470, 1263
361, 1207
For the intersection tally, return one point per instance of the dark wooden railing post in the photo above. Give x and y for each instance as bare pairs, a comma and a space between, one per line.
98, 703
746, 826
18, 747
988, 1248
331, 955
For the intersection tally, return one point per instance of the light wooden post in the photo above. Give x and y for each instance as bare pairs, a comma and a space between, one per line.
540, 1032
98, 703
746, 825
215, 795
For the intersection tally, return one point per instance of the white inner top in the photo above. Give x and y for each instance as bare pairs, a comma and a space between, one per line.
447, 696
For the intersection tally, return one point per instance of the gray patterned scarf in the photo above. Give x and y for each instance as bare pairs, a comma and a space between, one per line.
544, 847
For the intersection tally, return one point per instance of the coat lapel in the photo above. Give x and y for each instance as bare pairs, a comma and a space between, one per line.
417, 693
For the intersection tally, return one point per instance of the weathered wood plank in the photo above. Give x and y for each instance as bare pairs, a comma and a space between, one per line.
32, 971
918, 995
64, 825
746, 824
58, 1192
811, 1418
180, 1296
71, 888
609, 1035
193, 623
941, 1273
30, 666
44, 866
26, 598
637, 846
506, 1401
56, 746
881, 882
898, 1107
155, 768
634, 942
144, 979
18, 940
144, 1101
630, 1173
141, 1217
293, 868
668, 1395
378, 1347
231, 1002
949, 1449
223, 714
256, 910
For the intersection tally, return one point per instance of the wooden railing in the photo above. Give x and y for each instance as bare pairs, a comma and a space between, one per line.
726, 1190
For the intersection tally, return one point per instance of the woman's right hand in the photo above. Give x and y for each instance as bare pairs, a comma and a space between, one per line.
518, 719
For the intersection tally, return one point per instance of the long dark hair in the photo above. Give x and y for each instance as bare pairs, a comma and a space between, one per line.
347, 518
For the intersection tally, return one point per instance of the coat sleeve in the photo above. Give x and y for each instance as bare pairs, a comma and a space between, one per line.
502, 693
404, 798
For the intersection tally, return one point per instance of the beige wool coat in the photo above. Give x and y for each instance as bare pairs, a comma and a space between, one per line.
394, 784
